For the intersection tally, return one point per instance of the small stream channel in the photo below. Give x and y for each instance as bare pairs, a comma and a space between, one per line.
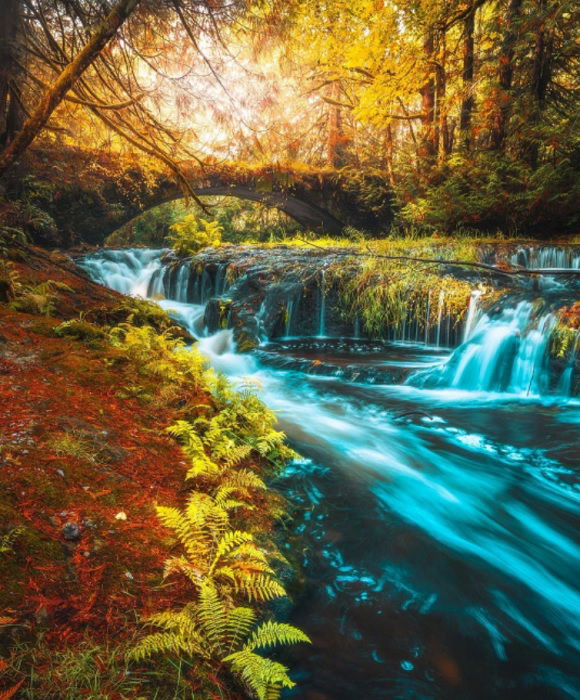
437, 501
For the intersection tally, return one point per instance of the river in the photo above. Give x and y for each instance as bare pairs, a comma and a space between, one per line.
437, 516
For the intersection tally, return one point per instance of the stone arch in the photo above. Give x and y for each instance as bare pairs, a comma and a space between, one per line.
307, 214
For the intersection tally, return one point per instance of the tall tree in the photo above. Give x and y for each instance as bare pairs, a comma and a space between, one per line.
503, 97
429, 135
70, 74
467, 75
541, 69
11, 112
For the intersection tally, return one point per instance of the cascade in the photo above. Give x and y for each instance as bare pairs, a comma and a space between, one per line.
289, 313
322, 305
503, 352
221, 282
127, 271
547, 257
440, 316
471, 313
182, 282
507, 352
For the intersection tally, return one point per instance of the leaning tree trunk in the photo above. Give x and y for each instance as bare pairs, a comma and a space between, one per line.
505, 77
56, 92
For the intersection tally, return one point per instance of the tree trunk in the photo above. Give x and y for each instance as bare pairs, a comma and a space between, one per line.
468, 101
334, 130
505, 76
389, 153
443, 141
11, 113
428, 146
56, 92
540, 79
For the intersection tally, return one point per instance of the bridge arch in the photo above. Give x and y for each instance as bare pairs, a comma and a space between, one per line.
309, 215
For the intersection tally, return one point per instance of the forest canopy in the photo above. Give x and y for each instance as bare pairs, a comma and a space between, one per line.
467, 109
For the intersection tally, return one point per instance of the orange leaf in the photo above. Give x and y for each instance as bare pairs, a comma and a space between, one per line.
11, 692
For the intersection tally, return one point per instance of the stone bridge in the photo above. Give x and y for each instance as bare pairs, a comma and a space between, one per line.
324, 201
97, 193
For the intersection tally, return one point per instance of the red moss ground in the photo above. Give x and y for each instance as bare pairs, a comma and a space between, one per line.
81, 465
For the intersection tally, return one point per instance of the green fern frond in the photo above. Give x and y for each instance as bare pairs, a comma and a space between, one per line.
260, 587
270, 634
212, 615
244, 479
172, 643
229, 542
259, 673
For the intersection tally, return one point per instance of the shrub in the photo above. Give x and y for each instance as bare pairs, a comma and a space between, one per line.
39, 298
191, 234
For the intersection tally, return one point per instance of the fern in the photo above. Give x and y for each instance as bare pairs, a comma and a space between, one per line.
40, 298
265, 677
8, 540
211, 629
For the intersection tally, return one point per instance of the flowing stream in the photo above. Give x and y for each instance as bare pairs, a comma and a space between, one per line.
436, 517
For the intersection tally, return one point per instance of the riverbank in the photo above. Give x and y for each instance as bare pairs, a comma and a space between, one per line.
85, 456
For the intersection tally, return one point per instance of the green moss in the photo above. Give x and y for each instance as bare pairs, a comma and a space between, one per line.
29, 547
80, 329
245, 342
564, 340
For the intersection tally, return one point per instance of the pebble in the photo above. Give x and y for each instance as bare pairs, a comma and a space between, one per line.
71, 532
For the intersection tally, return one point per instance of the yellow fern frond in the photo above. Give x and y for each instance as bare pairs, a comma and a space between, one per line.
243, 479
271, 634
227, 544
240, 622
212, 615
259, 673
260, 587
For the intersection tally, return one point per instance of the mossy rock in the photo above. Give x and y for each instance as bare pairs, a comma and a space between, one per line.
246, 342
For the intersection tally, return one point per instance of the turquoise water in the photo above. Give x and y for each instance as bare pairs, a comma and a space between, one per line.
436, 517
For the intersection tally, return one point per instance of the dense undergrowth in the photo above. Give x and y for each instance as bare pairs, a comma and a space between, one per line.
99, 530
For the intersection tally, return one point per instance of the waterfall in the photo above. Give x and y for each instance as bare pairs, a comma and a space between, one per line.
289, 314
221, 282
507, 352
322, 305
547, 257
182, 282
127, 271
439, 316
471, 313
